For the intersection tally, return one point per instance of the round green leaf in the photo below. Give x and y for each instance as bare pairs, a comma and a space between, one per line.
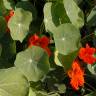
67, 38
12, 83
19, 24
74, 13
33, 63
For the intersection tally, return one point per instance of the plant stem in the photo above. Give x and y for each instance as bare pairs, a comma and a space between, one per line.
90, 86
87, 36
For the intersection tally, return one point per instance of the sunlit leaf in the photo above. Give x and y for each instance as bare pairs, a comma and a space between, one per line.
12, 83
67, 38
19, 25
33, 63
74, 13
26, 5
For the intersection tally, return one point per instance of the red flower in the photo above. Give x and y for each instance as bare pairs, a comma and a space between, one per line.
87, 54
34, 40
76, 74
7, 18
11, 13
42, 42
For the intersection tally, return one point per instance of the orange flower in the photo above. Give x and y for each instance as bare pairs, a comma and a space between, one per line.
42, 42
76, 74
87, 54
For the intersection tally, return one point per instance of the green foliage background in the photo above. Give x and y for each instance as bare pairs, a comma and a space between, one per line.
30, 71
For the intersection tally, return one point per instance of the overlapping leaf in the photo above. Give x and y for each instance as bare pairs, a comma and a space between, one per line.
33, 63
67, 38
12, 83
28, 7
74, 13
19, 24
65, 60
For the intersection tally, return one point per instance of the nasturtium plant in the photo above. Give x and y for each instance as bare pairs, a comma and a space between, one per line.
67, 38
28, 7
74, 13
54, 15
47, 47
9, 4
65, 60
20, 24
33, 63
10, 86
49, 25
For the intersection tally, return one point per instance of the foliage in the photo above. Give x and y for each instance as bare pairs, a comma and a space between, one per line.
39, 42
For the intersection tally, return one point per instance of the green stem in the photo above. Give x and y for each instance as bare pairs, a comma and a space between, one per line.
90, 86
87, 36
42, 27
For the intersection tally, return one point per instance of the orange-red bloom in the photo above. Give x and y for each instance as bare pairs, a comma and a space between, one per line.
76, 74
11, 13
42, 42
87, 54
7, 18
